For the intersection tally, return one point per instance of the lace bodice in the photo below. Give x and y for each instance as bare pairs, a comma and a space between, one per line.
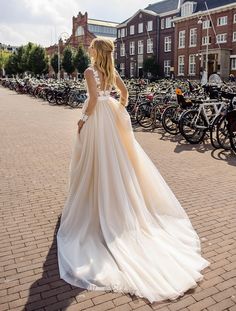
101, 93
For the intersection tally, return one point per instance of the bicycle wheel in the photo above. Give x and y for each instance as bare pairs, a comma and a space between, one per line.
170, 120
144, 115
232, 138
222, 134
193, 133
213, 132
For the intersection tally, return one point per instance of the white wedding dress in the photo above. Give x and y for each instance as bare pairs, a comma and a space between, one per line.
122, 228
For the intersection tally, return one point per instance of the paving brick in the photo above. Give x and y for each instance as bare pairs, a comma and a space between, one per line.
35, 170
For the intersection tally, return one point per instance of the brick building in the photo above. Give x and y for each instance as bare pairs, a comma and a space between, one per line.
84, 30
205, 37
149, 32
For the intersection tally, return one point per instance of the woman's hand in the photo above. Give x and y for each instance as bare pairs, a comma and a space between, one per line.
80, 125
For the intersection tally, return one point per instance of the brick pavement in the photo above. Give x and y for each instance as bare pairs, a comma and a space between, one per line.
35, 143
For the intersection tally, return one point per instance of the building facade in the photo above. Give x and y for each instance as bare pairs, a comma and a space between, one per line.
84, 30
148, 33
205, 38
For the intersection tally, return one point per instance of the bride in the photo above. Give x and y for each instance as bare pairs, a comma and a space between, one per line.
122, 229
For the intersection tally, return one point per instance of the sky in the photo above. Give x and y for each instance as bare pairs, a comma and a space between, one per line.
42, 21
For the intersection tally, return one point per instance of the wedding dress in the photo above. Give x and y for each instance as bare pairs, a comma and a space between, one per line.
122, 229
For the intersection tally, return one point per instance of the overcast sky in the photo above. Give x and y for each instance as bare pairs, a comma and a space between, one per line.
42, 21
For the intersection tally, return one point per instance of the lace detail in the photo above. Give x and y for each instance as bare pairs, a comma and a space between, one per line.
101, 93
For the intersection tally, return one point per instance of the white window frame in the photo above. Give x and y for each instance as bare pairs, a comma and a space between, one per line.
222, 21
131, 29
140, 47
234, 18
140, 27
149, 45
118, 33
131, 48
122, 69
167, 44
181, 39
122, 49
233, 63
132, 68
168, 22
122, 32
167, 65
221, 38
149, 25
181, 65
206, 40
162, 23
206, 24
234, 36
192, 65
193, 37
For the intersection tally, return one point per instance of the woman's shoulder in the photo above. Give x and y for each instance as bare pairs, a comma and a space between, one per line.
88, 72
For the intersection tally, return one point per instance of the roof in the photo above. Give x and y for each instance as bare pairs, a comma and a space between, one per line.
163, 6
137, 12
101, 23
211, 4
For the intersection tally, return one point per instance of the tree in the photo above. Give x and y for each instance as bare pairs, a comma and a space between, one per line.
54, 62
26, 56
150, 65
4, 56
11, 66
81, 60
67, 60
38, 62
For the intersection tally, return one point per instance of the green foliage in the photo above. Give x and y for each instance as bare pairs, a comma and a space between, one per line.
54, 62
81, 60
150, 65
68, 60
38, 61
4, 56
31, 58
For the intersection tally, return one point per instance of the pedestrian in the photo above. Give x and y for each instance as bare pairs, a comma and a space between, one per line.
122, 229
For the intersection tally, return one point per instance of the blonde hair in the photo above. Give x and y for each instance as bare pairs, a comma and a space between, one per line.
104, 60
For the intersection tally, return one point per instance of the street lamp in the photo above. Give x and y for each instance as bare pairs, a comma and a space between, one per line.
200, 21
65, 34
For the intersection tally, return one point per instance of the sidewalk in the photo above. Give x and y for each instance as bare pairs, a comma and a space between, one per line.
35, 144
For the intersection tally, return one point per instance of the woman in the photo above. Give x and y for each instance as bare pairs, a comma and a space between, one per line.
122, 228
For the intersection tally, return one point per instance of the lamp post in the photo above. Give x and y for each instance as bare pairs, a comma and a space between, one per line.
65, 34
200, 21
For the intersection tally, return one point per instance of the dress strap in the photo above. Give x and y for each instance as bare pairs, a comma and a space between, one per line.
96, 76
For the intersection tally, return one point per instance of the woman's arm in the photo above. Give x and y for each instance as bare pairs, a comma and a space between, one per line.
92, 90
123, 90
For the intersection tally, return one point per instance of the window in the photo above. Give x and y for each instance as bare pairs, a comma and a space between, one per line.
234, 36
123, 32
118, 33
182, 39
122, 49
206, 24
167, 44
187, 9
221, 38
131, 69
131, 30
221, 21
149, 25
140, 47
193, 37
168, 22
149, 45
131, 48
162, 23
140, 27
234, 18
181, 65
206, 40
122, 69
233, 63
192, 65
80, 31
115, 54
167, 68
